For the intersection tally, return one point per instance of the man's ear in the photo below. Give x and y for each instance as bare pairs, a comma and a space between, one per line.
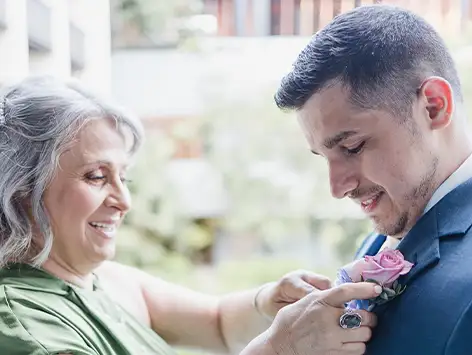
439, 99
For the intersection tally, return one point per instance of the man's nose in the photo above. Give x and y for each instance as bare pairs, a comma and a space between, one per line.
342, 178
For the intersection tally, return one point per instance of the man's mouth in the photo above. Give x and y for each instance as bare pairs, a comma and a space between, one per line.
371, 203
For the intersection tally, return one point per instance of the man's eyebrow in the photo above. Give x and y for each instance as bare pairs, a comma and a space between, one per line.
331, 142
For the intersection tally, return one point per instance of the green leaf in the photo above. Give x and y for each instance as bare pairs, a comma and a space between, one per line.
380, 301
398, 288
384, 296
390, 293
395, 285
402, 289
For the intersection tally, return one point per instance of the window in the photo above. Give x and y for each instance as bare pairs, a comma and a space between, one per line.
336, 7
275, 17
316, 15
445, 7
296, 17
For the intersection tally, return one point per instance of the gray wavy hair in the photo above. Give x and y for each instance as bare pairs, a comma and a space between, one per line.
40, 119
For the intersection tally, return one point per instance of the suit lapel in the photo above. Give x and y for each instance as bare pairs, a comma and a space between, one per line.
420, 247
452, 216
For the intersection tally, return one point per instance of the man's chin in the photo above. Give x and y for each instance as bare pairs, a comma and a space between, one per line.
392, 229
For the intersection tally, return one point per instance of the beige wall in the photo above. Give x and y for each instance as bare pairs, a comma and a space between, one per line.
14, 42
93, 19
57, 61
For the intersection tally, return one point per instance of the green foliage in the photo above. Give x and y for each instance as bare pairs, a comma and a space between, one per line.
147, 238
237, 275
352, 232
153, 18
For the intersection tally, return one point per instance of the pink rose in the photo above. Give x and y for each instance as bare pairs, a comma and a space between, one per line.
385, 267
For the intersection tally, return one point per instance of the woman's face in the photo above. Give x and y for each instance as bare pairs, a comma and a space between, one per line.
88, 197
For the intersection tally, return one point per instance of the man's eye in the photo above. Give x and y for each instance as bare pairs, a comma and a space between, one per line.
355, 150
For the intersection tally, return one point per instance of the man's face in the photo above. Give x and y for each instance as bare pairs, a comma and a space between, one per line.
386, 164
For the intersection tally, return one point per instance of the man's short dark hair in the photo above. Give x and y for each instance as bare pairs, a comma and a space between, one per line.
380, 53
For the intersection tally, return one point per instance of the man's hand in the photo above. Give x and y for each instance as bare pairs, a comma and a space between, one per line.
289, 289
311, 325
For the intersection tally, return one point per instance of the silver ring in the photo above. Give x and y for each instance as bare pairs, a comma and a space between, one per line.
350, 319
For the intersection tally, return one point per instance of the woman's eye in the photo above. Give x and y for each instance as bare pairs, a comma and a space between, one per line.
95, 177
100, 178
356, 150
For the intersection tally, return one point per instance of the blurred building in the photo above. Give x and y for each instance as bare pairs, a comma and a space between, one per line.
57, 37
171, 88
305, 17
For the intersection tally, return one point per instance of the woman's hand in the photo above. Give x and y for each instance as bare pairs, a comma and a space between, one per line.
311, 325
289, 289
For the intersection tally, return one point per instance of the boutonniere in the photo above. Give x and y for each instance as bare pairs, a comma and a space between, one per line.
383, 269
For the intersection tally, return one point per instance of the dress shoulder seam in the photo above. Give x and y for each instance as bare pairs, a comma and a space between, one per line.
7, 302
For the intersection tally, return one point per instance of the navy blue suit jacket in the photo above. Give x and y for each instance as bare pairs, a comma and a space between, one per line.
434, 314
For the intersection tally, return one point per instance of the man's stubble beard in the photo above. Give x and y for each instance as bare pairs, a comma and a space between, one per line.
417, 198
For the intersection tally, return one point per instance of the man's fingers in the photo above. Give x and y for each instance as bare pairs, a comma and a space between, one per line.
358, 335
354, 348
338, 296
319, 281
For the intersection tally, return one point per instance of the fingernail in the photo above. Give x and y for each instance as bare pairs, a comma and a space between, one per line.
378, 289
310, 289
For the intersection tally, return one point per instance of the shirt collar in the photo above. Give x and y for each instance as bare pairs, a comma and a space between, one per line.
461, 175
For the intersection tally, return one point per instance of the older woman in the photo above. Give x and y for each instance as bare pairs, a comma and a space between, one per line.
63, 160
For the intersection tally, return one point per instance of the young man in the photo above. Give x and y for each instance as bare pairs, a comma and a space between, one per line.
378, 97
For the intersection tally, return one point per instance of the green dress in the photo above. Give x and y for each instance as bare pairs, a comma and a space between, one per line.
42, 315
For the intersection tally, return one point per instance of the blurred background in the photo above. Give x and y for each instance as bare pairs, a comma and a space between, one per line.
226, 193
